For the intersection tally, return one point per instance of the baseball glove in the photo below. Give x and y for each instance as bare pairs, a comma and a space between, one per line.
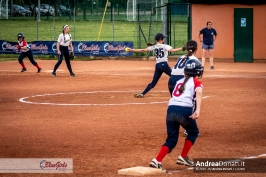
184, 48
71, 56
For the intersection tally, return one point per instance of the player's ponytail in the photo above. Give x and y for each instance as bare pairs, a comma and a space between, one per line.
182, 87
191, 47
158, 37
151, 44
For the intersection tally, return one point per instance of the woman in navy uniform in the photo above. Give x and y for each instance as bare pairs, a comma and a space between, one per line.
161, 51
209, 38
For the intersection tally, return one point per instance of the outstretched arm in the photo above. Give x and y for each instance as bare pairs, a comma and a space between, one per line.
176, 50
136, 50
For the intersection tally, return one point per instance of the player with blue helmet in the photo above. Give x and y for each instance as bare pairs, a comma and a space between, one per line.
180, 112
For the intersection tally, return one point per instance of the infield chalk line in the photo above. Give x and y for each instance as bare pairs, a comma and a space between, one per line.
23, 100
141, 74
242, 158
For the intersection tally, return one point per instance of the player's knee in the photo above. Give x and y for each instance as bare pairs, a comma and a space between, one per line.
170, 145
68, 61
192, 135
60, 61
152, 84
20, 60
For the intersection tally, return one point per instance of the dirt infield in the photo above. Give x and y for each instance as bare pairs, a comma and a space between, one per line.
97, 121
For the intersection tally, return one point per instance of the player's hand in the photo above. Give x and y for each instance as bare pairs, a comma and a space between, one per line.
58, 52
195, 115
127, 49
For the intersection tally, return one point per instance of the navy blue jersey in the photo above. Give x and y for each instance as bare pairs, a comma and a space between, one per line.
208, 35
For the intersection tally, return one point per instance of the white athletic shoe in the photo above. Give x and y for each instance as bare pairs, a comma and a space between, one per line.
184, 161
53, 74
155, 164
139, 95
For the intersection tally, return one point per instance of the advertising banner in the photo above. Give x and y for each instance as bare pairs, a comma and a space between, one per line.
92, 48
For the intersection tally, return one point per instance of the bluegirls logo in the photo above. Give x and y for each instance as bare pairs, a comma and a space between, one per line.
43, 48
80, 47
6, 46
105, 47
45, 164
109, 47
54, 47
92, 48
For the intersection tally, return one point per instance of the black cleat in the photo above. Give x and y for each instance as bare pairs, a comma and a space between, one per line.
39, 70
53, 74
23, 70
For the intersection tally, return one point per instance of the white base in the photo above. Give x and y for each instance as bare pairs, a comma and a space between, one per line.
140, 171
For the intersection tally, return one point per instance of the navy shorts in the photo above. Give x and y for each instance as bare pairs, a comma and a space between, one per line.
207, 47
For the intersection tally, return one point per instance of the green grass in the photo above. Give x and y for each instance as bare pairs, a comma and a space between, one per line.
8, 59
83, 31
48, 30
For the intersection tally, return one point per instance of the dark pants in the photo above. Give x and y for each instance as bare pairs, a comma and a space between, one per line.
160, 68
64, 53
176, 116
27, 54
172, 82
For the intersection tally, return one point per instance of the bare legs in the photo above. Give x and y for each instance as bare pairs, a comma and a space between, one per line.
211, 56
204, 52
203, 56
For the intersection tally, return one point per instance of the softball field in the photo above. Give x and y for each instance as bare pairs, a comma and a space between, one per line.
95, 119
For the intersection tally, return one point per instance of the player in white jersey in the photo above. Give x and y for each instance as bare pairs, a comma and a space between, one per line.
64, 41
180, 112
178, 70
161, 51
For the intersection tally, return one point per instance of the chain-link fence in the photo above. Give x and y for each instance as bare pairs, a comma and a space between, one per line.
63, 9
91, 20
171, 19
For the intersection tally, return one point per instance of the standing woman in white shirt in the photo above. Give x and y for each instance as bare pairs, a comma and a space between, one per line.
64, 43
161, 52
